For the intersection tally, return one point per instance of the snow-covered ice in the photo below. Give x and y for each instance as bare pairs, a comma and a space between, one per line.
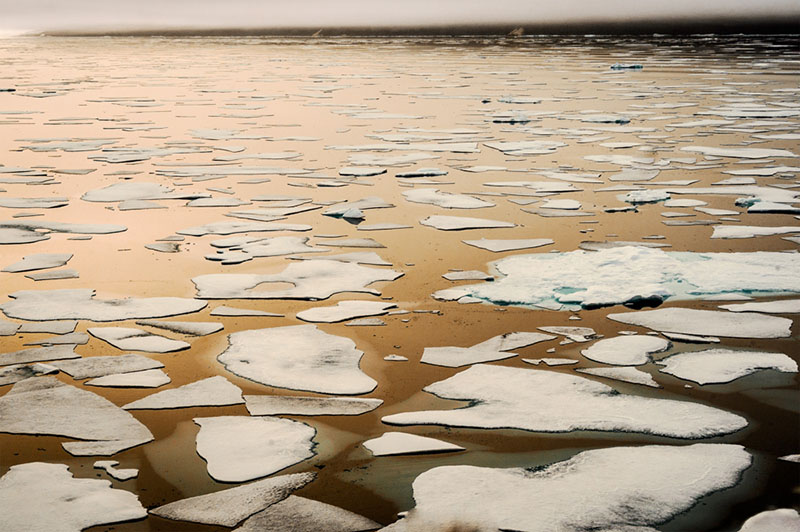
213, 391
719, 366
708, 322
132, 339
393, 443
286, 405
345, 310
625, 350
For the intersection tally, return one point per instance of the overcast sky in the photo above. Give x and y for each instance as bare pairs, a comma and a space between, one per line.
40, 15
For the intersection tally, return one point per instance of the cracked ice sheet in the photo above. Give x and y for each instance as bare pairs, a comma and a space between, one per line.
619, 488
708, 322
495, 348
447, 200
231, 506
393, 443
544, 401
45, 406
132, 339
45, 305
311, 279
213, 391
71, 504
628, 274
626, 350
242, 448
298, 514
460, 223
273, 405
298, 357
720, 366
345, 310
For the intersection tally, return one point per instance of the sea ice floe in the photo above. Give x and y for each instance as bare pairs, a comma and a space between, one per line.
223, 310
75, 338
39, 261
373, 202
526, 147
447, 200
781, 520
298, 514
498, 246
573, 334
751, 231
20, 372
313, 279
231, 506
44, 305
13, 232
132, 339
550, 361
33, 203
708, 322
120, 474
631, 375
299, 357
150, 378
626, 350
784, 306
631, 274
618, 488
496, 348
275, 405
63, 503
471, 275
351, 243
545, 401
52, 275
361, 171
563, 204
719, 366
742, 153
460, 223
45, 406
190, 328
242, 448
358, 257
393, 443
83, 368
213, 391
345, 310
38, 354
230, 228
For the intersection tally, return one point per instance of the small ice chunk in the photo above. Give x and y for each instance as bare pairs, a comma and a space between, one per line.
231, 506
282, 405
395, 358
393, 443
547, 401
190, 328
576, 334
460, 223
447, 200
708, 322
632, 375
298, 514
691, 338
361, 171
719, 366
132, 339
213, 391
563, 204
20, 372
74, 338
62, 503
751, 231
471, 275
366, 322
298, 357
151, 378
223, 310
40, 261
550, 361
242, 448
781, 520
496, 348
38, 354
120, 474
626, 350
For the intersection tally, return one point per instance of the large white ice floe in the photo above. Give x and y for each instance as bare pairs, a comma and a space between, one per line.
313, 279
630, 489
44, 305
232, 506
241, 448
447, 200
496, 348
544, 401
132, 339
719, 366
298, 514
784, 306
460, 223
45, 406
299, 357
213, 391
626, 350
631, 274
708, 322
781, 520
345, 310
45, 497
289, 405
392, 443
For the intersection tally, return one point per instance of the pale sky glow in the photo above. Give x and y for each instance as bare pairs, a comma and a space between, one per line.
38, 15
